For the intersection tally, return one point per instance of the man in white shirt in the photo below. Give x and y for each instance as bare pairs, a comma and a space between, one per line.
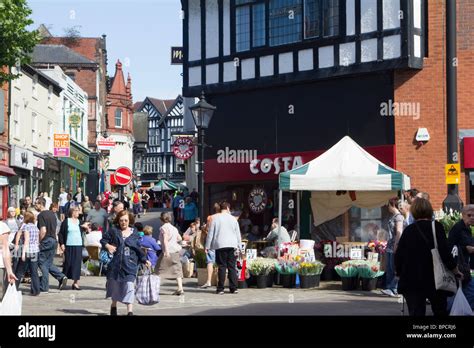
6, 272
62, 203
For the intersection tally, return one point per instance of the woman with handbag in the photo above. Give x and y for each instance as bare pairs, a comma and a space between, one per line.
169, 263
414, 261
71, 241
123, 242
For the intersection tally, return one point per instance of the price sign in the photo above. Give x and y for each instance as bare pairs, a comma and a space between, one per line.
356, 254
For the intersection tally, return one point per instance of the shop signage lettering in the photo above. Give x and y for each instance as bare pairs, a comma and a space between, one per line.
183, 148
276, 165
257, 200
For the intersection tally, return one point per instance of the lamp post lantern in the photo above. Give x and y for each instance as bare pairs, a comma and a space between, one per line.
202, 114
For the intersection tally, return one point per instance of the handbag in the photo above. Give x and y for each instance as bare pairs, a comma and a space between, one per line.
105, 257
444, 278
12, 301
460, 305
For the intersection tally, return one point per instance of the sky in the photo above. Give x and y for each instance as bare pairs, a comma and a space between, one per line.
139, 32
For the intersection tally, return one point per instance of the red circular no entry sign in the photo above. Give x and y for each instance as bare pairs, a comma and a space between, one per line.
123, 176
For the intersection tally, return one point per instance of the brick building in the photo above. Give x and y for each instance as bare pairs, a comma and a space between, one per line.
426, 164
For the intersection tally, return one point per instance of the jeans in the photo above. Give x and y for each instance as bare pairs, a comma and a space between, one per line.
226, 259
416, 304
390, 280
46, 257
31, 261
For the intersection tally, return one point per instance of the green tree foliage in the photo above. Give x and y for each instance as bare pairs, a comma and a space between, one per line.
16, 42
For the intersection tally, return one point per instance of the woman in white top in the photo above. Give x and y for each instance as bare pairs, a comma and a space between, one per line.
169, 263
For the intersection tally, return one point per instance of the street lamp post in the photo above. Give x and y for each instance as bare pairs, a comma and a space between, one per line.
202, 115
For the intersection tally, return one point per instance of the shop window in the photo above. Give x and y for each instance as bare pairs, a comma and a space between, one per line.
367, 224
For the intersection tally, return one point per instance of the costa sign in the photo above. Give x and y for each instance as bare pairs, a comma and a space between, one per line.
123, 176
183, 148
276, 165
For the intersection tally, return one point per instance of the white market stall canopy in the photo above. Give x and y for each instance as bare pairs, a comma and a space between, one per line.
344, 176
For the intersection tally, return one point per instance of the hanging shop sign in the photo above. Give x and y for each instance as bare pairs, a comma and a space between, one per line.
75, 120
177, 55
62, 145
21, 158
183, 148
38, 162
105, 143
257, 200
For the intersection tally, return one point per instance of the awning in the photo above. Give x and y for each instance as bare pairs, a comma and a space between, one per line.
6, 170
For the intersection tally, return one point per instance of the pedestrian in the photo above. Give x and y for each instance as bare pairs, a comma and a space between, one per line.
177, 202
190, 213
139, 228
47, 224
29, 253
86, 207
136, 203
71, 241
117, 207
124, 243
224, 238
461, 244
277, 236
99, 216
194, 196
145, 199
63, 199
48, 200
169, 263
200, 240
7, 275
79, 196
410, 196
13, 225
414, 261
93, 235
395, 230
153, 248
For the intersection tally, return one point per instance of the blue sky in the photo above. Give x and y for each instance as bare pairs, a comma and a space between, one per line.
139, 32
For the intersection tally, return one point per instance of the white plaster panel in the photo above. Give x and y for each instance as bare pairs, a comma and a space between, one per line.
266, 66
212, 29
285, 63
248, 69
305, 60
194, 30
326, 57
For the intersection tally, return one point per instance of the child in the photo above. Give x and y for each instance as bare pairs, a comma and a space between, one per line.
154, 250
29, 253
139, 227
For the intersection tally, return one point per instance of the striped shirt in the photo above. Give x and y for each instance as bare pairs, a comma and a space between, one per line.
34, 237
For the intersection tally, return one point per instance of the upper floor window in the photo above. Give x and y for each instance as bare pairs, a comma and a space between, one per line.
285, 22
16, 121
34, 129
50, 96
118, 118
35, 86
249, 24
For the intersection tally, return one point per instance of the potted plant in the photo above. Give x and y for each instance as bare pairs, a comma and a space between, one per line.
287, 269
348, 271
368, 273
261, 269
310, 274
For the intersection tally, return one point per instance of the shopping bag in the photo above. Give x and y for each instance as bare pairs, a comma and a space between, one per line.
460, 305
444, 278
12, 301
148, 288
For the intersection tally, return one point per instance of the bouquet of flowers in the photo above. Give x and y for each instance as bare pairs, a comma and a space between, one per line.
310, 268
347, 270
370, 270
287, 267
261, 266
377, 246
448, 218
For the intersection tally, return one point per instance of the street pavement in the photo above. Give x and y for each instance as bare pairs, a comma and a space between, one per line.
328, 299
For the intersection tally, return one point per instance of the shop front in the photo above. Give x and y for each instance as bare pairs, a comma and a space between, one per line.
37, 175
52, 177
252, 188
75, 168
21, 184
5, 173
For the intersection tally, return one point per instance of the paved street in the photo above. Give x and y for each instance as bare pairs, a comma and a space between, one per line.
329, 299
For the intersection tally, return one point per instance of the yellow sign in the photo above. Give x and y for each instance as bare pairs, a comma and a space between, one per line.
453, 173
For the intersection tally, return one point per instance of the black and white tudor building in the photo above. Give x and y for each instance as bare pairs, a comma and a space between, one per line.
290, 78
165, 118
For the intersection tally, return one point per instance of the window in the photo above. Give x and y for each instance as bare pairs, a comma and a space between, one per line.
321, 16
118, 118
34, 129
179, 165
285, 19
50, 96
16, 121
35, 86
50, 136
249, 24
160, 164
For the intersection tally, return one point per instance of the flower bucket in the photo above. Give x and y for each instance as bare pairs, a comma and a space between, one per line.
309, 281
270, 280
242, 284
288, 280
262, 281
252, 281
276, 278
369, 284
316, 279
349, 283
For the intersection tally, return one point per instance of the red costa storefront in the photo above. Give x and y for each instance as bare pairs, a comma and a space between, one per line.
252, 185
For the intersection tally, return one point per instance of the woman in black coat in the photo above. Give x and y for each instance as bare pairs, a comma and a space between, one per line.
414, 262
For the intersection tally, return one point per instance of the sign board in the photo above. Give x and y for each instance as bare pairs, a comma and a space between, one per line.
257, 200
75, 120
21, 158
62, 145
177, 55
183, 148
105, 143
356, 254
123, 176
38, 162
373, 257
251, 254
453, 173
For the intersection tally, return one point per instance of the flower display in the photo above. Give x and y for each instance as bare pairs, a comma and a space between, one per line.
261, 266
310, 268
448, 218
377, 246
287, 267
370, 270
346, 270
